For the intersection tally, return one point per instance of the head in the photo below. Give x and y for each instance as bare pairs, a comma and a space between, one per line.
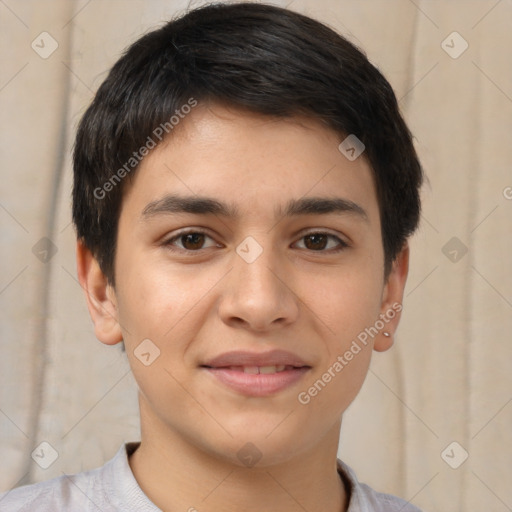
246, 104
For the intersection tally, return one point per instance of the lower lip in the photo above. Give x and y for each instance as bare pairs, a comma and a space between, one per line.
260, 384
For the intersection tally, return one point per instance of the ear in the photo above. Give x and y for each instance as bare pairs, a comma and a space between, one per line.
100, 296
392, 296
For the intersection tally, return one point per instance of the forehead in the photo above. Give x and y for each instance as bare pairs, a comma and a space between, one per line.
250, 162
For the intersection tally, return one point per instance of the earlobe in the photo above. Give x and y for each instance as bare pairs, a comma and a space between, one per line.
391, 304
100, 296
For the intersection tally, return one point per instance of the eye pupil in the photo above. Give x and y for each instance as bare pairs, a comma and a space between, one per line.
316, 243
195, 238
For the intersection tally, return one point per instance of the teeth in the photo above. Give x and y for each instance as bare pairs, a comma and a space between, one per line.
260, 369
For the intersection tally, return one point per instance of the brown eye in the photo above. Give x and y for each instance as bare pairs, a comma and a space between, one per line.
319, 241
191, 241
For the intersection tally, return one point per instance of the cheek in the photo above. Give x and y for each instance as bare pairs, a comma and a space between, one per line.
155, 298
347, 301
161, 311
335, 384
327, 395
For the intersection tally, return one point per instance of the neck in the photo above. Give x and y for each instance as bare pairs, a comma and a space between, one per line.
177, 475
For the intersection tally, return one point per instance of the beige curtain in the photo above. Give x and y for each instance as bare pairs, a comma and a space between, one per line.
442, 392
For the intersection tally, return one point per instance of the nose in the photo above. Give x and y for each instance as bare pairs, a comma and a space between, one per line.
259, 295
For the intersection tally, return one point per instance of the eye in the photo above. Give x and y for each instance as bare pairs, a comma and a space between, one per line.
318, 241
191, 241
194, 240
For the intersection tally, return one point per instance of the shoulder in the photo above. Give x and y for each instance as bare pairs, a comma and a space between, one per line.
59, 493
365, 499
381, 502
82, 491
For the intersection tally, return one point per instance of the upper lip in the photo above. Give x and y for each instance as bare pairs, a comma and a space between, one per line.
245, 358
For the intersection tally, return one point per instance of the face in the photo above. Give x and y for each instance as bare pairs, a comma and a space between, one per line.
253, 294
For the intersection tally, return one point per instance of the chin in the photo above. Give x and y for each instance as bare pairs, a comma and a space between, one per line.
254, 446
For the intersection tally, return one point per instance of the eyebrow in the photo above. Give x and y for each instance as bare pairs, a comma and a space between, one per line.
201, 205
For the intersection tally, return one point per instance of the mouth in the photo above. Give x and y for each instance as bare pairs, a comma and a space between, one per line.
256, 370
257, 374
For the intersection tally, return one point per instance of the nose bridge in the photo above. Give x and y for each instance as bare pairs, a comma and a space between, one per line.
257, 291
256, 263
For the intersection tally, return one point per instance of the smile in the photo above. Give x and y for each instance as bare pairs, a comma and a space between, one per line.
253, 370
257, 374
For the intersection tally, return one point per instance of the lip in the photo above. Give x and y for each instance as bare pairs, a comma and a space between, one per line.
245, 358
228, 368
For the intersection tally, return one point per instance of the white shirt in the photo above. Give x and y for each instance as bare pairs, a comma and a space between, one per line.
113, 488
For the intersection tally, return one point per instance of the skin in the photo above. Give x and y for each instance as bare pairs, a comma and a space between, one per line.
197, 305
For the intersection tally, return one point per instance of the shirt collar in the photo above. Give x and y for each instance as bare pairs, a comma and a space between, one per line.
129, 495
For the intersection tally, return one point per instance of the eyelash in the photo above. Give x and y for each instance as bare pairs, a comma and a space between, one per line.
169, 243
